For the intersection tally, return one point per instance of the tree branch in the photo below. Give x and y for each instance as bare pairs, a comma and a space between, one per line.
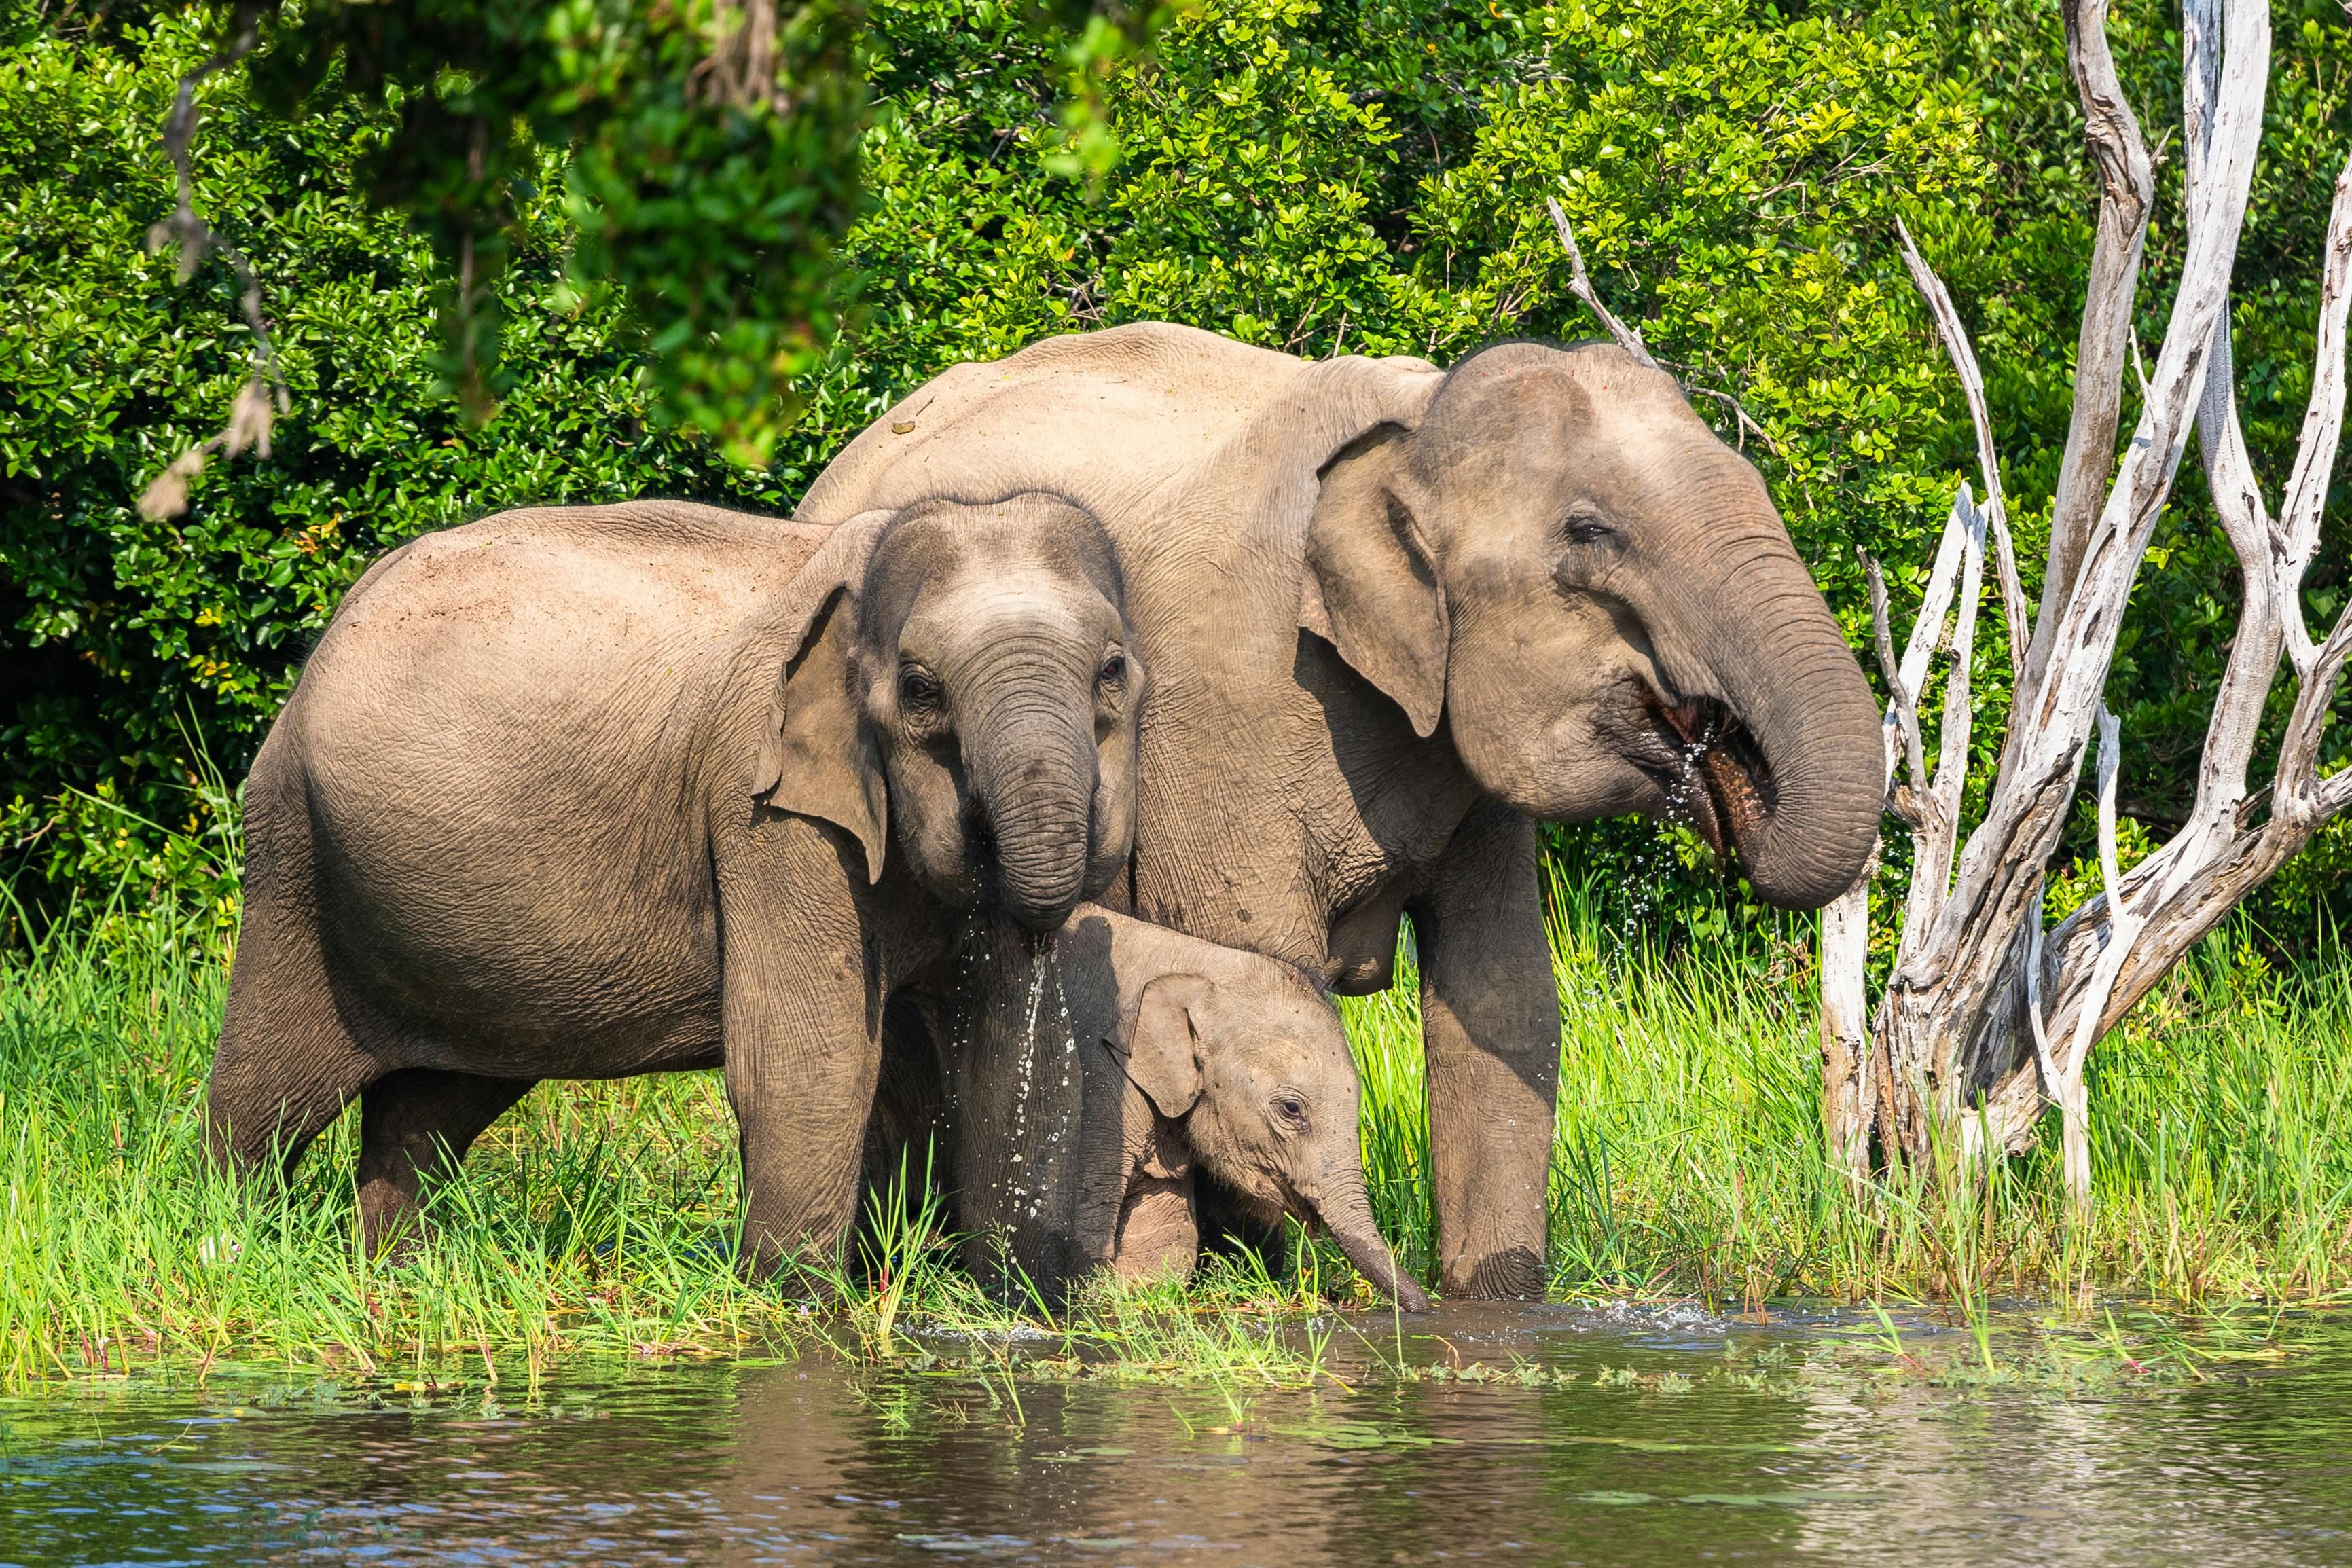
1931, 866
1902, 721
2322, 422
1955, 337
251, 411
1580, 286
1949, 992
2103, 350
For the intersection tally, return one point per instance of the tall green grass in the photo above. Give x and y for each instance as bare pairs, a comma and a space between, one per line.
596, 1218
601, 1216
1689, 1158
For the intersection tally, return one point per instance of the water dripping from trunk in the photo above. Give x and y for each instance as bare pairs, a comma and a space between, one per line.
1048, 1047
1688, 757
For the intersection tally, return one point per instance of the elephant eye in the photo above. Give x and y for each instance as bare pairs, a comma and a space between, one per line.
1291, 1109
1113, 671
1586, 528
918, 689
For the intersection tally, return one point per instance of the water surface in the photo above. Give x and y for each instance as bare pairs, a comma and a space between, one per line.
1655, 1449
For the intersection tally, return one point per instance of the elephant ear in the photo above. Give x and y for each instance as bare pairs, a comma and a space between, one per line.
1370, 588
817, 756
1163, 1042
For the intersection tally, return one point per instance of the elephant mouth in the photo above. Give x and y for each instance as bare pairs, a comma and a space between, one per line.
1708, 766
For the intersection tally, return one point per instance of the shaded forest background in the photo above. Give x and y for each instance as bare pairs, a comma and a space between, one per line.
1320, 179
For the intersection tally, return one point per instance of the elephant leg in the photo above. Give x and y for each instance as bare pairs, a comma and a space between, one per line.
908, 1131
1158, 1235
800, 1011
1490, 1033
802, 1089
288, 1061
414, 1124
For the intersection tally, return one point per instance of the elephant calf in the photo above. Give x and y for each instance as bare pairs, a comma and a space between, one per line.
593, 791
1190, 1058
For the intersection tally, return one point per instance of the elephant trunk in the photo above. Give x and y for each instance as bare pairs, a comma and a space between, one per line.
1347, 1213
1798, 782
1031, 760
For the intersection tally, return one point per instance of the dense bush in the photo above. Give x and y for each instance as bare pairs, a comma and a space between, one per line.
1364, 178
134, 651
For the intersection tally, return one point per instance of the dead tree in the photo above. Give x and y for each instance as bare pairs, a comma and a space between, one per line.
1988, 1016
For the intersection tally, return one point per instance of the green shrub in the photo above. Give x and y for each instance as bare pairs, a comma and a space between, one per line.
130, 646
1364, 178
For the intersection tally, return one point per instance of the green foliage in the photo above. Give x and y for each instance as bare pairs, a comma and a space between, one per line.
128, 646
1733, 181
706, 181
1364, 178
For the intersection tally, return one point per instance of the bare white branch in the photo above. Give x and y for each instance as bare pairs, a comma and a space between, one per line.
1901, 724
1581, 287
1955, 337
2036, 1013
1931, 867
1943, 581
1944, 1026
1846, 1088
2127, 197
2323, 421
1950, 972
2180, 892
2111, 876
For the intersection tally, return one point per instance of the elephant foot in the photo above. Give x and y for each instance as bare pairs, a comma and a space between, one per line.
1515, 1273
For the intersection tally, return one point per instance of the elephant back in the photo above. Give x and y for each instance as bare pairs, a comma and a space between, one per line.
1102, 417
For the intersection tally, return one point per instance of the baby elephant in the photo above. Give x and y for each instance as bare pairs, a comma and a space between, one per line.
1124, 1059
594, 791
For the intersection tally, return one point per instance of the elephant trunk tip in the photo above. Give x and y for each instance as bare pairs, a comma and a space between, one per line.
1034, 788
1360, 1242
1409, 1296
1794, 793
1040, 878
1040, 916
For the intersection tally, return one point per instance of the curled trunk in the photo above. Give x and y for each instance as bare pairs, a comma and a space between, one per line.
1797, 782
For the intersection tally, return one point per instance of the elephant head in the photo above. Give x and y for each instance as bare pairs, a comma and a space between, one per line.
958, 679
1561, 563
1250, 1073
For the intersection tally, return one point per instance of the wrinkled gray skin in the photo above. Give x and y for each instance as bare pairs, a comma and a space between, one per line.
1396, 616
594, 791
1188, 1058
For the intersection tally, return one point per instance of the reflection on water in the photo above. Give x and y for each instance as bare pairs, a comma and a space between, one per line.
803, 1462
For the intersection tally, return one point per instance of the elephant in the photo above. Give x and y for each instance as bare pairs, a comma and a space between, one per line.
1397, 616
1186, 1056
585, 792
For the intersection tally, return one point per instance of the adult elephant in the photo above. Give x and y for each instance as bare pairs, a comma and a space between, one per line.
1394, 617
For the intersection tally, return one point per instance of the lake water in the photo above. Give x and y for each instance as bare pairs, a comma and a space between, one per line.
1676, 1437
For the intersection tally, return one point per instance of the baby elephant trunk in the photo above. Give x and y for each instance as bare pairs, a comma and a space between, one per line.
1032, 773
1347, 1214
